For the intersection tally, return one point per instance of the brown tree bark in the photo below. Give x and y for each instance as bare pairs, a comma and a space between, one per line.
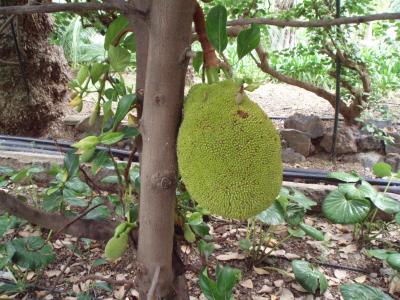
169, 39
31, 95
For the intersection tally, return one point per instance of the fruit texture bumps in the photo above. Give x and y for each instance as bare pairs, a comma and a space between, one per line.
229, 154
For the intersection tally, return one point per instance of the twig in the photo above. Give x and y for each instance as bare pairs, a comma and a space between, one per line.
150, 294
128, 166
6, 22
90, 181
316, 23
121, 186
128, 283
5, 62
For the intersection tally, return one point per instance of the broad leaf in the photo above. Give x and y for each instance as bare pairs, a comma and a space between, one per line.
248, 40
216, 27
206, 249
382, 169
87, 143
380, 253
188, 233
119, 58
309, 277
71, 163
227, 277
397, 218
97, 70
130, 42
296, 232
114, 31
386, 204
208, 286
346, 177
311, 231
302, 200
110, 138
273, 215
124, 105
83, 73
393, 260
6, 171
197, 61
32, 252
341, 209
354, 291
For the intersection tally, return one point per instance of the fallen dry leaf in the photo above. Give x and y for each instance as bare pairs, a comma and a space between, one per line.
260, 271
265, 289
360, 279
349, 249
394, 285
52, 273
230, 256
298, 287
119, 292
292, 256
286, 295
340, 274
248, 284
259, 298
278, 283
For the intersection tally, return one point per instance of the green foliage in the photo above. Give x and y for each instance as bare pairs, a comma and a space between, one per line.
310, 278
222, 287
216, 27
221, 135
354, 291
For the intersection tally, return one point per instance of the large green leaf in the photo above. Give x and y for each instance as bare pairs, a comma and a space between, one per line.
354, 291
216, 27
32, 252
273, 215
382, 169
248, 40
380, 253
227, 277
311, 231
302, 200
341, 209
309, 277
393, 260
123, 108
386, 204
114, 30
87, 143
97, 70
208, 286
6, 171
71, 163
110, 138
119, 58
130, 42
346, 177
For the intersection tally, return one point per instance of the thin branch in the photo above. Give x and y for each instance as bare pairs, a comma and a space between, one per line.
128, 283
6, 22
316, 23
66, 7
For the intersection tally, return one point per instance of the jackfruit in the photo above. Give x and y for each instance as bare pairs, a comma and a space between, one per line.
229, 154
116, 246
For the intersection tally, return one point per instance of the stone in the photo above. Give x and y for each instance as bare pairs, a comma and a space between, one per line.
345, 142
393, 159
368, 159
311, 125
298, 141
366, 142
290, 156
395, 147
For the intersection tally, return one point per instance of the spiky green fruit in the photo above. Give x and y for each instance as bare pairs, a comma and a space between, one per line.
229, 154
116, 247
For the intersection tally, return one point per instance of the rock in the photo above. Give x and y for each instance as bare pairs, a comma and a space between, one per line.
393, 159
395, 147
368, 159
345, 142
366, 142
298, 141
312, 125
290, 156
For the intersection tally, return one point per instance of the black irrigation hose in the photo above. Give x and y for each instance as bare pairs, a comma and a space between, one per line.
25, 144
323, 118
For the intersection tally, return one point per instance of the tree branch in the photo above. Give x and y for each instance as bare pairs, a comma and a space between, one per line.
316, 23
50, 8
91, 229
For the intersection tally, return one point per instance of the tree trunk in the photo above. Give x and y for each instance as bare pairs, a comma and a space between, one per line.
31, 93
169, 39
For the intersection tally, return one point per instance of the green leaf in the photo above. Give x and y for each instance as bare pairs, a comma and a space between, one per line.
188, 233
83, 73
201, 230
351, 191
110, 179
354, 291
294, 214
198, 61
71, 163
84, 296
386, 204
53, 201
104, 286
216, 27
110, 138
87, 154
124, 105
313, 232
380, 253
130, 131
273, 215
302, 200
397, 217
78, 186
99, 213
21, 175
296, 232
97, 70
393, 260
248, 40
206, 249
346, 177
382, 169
195, 218
245, 244
130, 42
227, 277
309, 277
208, 286
87, 143
343, 210
99, 262
6, 171
119, 58
32, 252
114, 30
